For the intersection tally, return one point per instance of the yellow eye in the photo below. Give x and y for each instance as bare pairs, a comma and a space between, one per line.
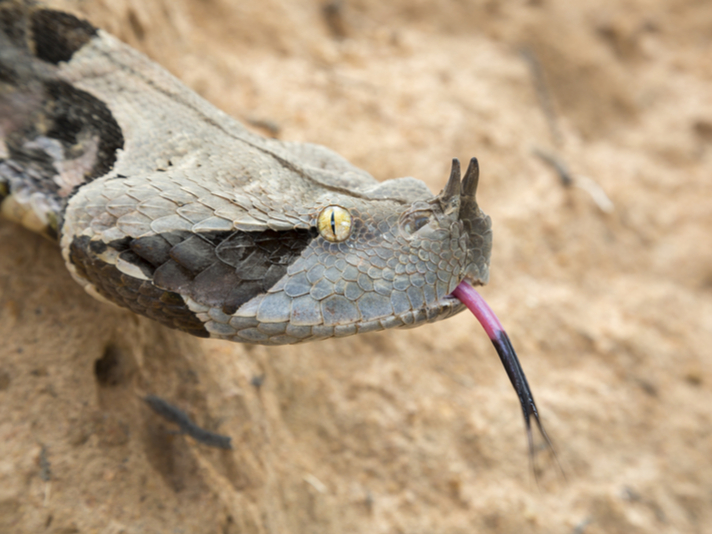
334, 223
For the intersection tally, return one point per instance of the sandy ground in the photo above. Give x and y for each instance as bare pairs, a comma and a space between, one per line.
407, 431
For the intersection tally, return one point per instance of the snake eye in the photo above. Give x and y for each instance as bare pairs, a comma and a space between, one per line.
334, 224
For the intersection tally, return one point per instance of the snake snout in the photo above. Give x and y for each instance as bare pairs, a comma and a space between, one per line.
476, 226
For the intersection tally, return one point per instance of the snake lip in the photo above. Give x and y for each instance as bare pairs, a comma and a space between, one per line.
447, 304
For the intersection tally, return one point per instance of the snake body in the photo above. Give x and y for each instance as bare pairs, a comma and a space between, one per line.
167, 206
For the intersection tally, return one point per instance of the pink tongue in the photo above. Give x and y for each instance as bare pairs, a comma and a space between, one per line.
477, 305
472, 299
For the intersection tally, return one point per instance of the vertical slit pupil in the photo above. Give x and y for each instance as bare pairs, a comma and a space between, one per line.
333, 222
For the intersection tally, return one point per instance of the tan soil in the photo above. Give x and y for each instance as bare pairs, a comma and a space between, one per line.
407, 431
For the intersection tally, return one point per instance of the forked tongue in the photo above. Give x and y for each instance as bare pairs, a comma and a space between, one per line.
472, 299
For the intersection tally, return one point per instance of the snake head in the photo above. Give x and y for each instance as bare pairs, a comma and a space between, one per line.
405, 253
207, 227
388, 255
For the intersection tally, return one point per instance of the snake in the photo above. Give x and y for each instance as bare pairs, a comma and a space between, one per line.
165, 205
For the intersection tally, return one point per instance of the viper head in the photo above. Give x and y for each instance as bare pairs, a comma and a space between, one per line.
388, 256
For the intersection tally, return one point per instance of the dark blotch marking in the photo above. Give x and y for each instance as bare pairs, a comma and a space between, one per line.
76, 117
58, 35
140, 296
217, 269
34, 103
220, 269
13, 23
175, 415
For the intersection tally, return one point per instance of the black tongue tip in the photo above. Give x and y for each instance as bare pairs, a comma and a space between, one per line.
507, 355
514, 370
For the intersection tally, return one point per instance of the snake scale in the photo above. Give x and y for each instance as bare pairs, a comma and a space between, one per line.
167, 206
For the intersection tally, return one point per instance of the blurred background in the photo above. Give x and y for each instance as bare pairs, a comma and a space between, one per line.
592, 122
